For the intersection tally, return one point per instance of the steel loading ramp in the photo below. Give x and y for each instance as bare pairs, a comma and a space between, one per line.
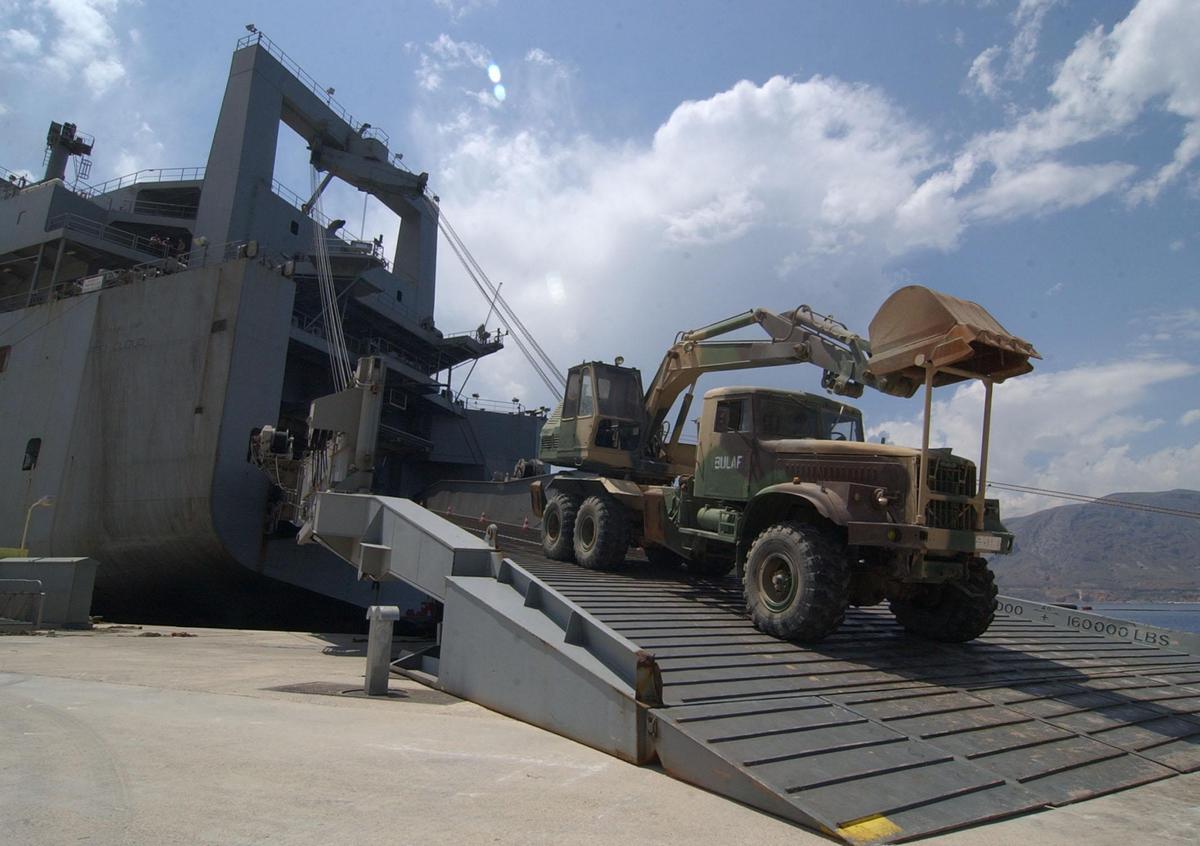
876, 736
872, 736
507, 641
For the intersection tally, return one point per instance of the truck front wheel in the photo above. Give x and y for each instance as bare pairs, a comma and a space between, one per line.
601, 534
558, 526
953, 612
796, 582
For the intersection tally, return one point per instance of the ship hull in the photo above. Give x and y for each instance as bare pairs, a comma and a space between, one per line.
143, 397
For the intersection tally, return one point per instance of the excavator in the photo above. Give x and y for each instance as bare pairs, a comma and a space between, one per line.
782, 486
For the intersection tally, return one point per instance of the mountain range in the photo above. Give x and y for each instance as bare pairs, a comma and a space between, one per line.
1102, 552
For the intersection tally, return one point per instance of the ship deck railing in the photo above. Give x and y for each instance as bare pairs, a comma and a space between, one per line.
314, 324
201, 256
152, 174
325, 93
339, 246
103, 231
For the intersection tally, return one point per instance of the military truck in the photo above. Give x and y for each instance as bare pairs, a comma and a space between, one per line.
781, 485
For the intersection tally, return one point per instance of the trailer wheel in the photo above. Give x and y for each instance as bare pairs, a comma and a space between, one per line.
796, 582
558, 526
953, 612
601, 534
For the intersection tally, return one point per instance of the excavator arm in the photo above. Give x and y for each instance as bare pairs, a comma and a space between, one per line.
797, 336
918, 337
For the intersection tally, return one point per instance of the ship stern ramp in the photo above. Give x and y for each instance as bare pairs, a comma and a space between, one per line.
872, 736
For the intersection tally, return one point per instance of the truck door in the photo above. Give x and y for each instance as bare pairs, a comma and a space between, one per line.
723, 467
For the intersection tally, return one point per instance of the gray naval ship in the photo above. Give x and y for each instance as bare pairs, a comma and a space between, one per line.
149, 324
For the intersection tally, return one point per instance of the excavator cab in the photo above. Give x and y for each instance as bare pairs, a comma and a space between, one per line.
601, 422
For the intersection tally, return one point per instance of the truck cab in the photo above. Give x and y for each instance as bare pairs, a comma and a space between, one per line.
743, 430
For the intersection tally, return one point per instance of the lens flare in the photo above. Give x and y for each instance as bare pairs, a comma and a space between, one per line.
494, 72
499, 92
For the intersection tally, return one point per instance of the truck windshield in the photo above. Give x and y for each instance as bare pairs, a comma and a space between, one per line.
783, 417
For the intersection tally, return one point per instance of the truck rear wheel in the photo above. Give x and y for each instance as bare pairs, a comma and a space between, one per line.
952, 612
558, 526
601, 534
796, 582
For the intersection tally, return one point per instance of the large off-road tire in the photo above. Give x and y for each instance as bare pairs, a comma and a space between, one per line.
558, 526
601, 534
952, 612
796, 582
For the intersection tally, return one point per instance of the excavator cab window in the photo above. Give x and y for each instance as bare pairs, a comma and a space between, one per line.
619, 402
571, 398
619, 393
586, 405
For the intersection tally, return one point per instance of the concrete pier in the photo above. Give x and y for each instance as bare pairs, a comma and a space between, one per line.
124, 735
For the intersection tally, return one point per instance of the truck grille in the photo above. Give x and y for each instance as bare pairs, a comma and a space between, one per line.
956, 477
888, 475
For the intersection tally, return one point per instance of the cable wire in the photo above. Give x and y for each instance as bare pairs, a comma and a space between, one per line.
545, 367
1076, 497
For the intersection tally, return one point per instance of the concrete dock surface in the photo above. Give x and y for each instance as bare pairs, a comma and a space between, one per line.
145, 735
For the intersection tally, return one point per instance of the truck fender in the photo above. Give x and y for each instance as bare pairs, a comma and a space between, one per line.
827, 502
628, 493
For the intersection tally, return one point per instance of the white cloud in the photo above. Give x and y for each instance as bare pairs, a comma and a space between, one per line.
142, 150
77, 41
21, 41
1147, 61
1177, 245
1178, 328
985, 74
1190, 417
1056, 288
1045, 187
459, 9
753, 189
1082, 430
982, 73
724, 218
721, 197
444, 55
1028, 19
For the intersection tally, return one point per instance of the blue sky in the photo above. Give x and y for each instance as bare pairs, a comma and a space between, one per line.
656, 166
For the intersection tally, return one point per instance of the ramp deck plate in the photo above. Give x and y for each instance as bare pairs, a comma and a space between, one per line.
878, 736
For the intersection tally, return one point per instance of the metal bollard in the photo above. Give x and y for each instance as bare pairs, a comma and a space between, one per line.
379, 648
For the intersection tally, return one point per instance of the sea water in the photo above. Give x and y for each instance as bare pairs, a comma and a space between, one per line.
1180, 616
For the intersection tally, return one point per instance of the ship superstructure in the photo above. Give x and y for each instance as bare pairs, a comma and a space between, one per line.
148, 324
